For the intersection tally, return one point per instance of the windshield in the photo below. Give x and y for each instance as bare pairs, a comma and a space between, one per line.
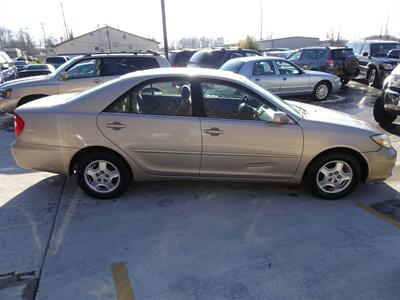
382, 50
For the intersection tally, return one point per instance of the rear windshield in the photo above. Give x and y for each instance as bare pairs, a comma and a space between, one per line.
207, 57
232, 65
21, 63
56, 60
181, 57
342, 53
383, 49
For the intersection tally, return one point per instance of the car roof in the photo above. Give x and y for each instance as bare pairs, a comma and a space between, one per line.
193, 72
375, 41
256, 58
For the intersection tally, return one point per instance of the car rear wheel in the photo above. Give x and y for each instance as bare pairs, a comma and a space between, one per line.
380, 114
30, 98
333, 175
321, 91
103, 175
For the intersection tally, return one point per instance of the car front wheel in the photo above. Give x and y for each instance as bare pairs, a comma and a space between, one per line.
381, 115
103, 175
333, 175
321, 91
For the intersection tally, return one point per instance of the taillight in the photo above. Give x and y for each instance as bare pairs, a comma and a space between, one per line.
19, 124
329, 62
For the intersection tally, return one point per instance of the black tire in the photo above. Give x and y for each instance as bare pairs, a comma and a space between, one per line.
122, 167
344, 81
373, 78
29, 99
351, 65
315, 93
381, 115
313, 171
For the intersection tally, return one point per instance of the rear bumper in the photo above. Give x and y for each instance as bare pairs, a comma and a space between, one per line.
8, 104
381, 163
46, 158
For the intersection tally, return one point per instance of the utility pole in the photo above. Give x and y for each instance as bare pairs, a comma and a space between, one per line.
387, 26
65, 23
44, 37
108, 38
261, 17
164, 29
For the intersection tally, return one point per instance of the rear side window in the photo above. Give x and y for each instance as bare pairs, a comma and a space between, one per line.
313, 54
233, 66
263, 68
167, 97
342, 53
207, 57
114, 66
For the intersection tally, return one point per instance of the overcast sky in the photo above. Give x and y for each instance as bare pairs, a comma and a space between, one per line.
232, 20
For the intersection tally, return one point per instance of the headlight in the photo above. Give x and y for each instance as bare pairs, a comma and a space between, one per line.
394, 81
5, 93
337, 80
382, 140
386, 66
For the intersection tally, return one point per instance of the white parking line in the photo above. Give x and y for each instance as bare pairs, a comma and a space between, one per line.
337, 99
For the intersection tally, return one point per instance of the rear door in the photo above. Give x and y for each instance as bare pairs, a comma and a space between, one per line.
153, 124
264, 74
239, 139
81, 76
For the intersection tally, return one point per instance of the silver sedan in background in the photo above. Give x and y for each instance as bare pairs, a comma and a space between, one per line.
284, 78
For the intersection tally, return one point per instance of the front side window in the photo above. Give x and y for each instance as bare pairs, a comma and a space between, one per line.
169, 97
286, 68
232, 102
262, 68
85, 68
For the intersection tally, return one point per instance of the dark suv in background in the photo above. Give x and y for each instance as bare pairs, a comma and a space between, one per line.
339, 61
215, 58
180, 58
377, 60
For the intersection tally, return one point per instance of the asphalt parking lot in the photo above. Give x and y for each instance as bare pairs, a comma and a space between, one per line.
199, 240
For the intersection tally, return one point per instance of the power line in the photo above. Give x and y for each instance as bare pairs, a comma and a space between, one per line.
65, 23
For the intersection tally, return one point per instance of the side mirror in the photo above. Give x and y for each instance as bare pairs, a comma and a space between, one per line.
365, 54
280, 117
64, 76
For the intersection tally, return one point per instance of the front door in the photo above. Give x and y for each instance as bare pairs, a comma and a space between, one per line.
239, 139
154, 125
81, 76
293, 80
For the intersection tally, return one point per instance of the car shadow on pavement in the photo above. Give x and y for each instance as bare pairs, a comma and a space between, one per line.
26, 221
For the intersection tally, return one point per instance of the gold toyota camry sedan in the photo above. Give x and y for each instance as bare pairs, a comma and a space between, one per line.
196, 124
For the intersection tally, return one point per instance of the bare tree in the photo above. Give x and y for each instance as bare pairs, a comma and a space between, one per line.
336, 39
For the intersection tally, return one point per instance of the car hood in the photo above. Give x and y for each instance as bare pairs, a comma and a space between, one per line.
328, 116
318, 73
22, 81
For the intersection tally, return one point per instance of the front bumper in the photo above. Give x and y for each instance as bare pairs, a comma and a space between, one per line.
381, 163
391, 101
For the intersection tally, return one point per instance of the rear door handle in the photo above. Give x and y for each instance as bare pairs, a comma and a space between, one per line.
284, 78
214, 131
96, 80
115, 125
257, 79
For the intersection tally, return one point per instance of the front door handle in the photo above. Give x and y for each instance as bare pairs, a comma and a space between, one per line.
284, 78
257, 79
214, 131
96, 80
115, 125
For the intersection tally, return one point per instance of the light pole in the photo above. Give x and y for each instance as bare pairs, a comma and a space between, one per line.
164, 29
